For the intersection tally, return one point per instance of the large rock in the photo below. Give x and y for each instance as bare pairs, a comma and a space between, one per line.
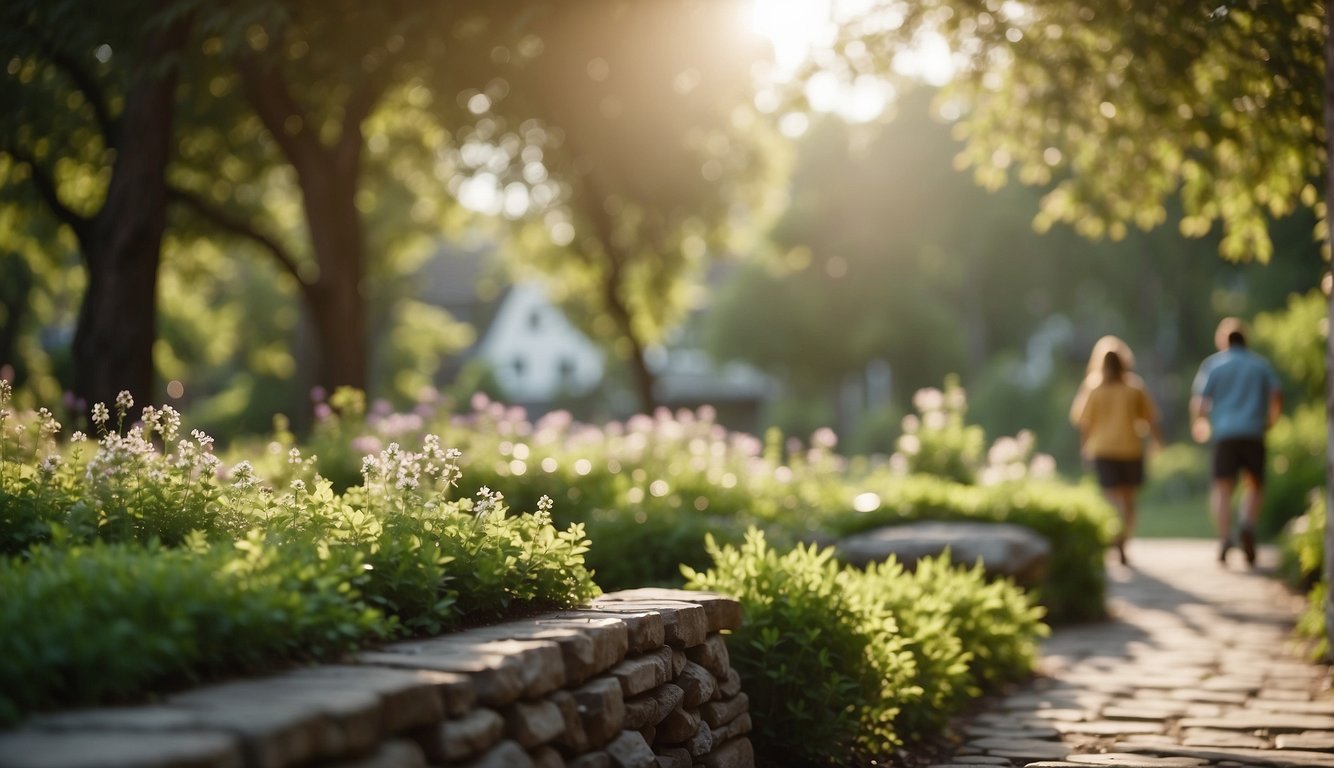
1005, 549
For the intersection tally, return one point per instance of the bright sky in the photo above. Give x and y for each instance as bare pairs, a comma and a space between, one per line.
798, 27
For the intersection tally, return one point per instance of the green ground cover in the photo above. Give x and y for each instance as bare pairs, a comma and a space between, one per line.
383, 532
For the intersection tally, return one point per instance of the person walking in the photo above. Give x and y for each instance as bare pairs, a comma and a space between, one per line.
1235, 399
1113, 412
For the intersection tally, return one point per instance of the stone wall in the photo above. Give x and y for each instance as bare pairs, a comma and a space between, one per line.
638, 678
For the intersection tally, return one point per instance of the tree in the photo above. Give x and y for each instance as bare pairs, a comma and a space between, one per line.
642, 118
1122, 106
61, 55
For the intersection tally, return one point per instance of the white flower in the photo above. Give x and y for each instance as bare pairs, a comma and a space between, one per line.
243, 475
294, 456
78, 437
124, 402
205, 442
100, 414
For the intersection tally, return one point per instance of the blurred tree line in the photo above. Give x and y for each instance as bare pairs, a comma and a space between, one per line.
238, 201
312, 153
888, 257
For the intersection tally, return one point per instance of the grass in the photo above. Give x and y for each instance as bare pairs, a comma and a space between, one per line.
1180, 518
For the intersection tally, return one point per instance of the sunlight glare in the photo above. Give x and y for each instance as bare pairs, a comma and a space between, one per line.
793, 27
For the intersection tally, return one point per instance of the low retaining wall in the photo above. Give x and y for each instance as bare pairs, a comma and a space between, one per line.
638, 679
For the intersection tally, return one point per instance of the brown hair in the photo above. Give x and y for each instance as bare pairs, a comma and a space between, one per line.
1112, 367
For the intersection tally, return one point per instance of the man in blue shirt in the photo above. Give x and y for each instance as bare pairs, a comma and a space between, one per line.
1234, 400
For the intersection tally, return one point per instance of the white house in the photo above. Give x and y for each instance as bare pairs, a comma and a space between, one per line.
535, 354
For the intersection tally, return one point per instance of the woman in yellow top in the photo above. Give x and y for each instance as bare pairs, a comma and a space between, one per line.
1113, 412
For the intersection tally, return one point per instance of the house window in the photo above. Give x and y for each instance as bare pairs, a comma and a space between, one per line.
566, 370
518, 366
534, 320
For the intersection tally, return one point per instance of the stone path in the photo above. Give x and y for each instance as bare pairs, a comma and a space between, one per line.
1195, 668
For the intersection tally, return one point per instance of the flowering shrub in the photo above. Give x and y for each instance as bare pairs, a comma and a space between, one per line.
938, 440
394, 555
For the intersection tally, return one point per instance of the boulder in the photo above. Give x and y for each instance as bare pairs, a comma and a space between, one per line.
1005, 549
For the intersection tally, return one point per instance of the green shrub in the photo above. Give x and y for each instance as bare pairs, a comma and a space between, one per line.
1075, 520
106, 622
825, 669
1296, 445
842, 664
185, 556
1302, 564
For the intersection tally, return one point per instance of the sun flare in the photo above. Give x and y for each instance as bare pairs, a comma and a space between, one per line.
793, 27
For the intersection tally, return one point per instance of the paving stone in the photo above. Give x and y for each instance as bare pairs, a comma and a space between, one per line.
731, 686
1296, 707
724, 613
540, 663
590, 760
1068, 715
1273, 721
740, 726
683, 624
643, 673
716, 713
1208, 737
119, 749
461, 738
1130, 760
497, 680
391, 754
643, 629
982, 760
1028, 749
712, 655
630, 750
1267, 757
589, 646
650, 708
601, 708
1111, 727
984, 731
1322, 741
698, 684
1210, 697
506, 754
533, 723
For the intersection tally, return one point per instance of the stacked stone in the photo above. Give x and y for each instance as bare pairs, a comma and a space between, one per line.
636, 679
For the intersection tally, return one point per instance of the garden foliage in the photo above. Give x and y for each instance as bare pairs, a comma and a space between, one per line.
380, 540
841, 663
117, 540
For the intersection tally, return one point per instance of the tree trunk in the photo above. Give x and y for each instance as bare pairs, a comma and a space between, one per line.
117, 325
336, 302
644, 380
1329, 342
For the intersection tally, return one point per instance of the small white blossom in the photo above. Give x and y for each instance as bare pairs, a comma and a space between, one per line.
243, 475
124, 402
100, 414
294, 456
205, 442
78, 437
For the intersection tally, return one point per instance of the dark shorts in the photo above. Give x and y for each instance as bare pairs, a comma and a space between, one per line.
1234, 455
1119, 473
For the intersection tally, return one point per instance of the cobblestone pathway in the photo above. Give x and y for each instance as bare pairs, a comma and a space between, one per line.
1195, 668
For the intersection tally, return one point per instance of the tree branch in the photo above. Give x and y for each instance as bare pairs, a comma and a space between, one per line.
46, 187
235, 225
91, 90
272, 100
